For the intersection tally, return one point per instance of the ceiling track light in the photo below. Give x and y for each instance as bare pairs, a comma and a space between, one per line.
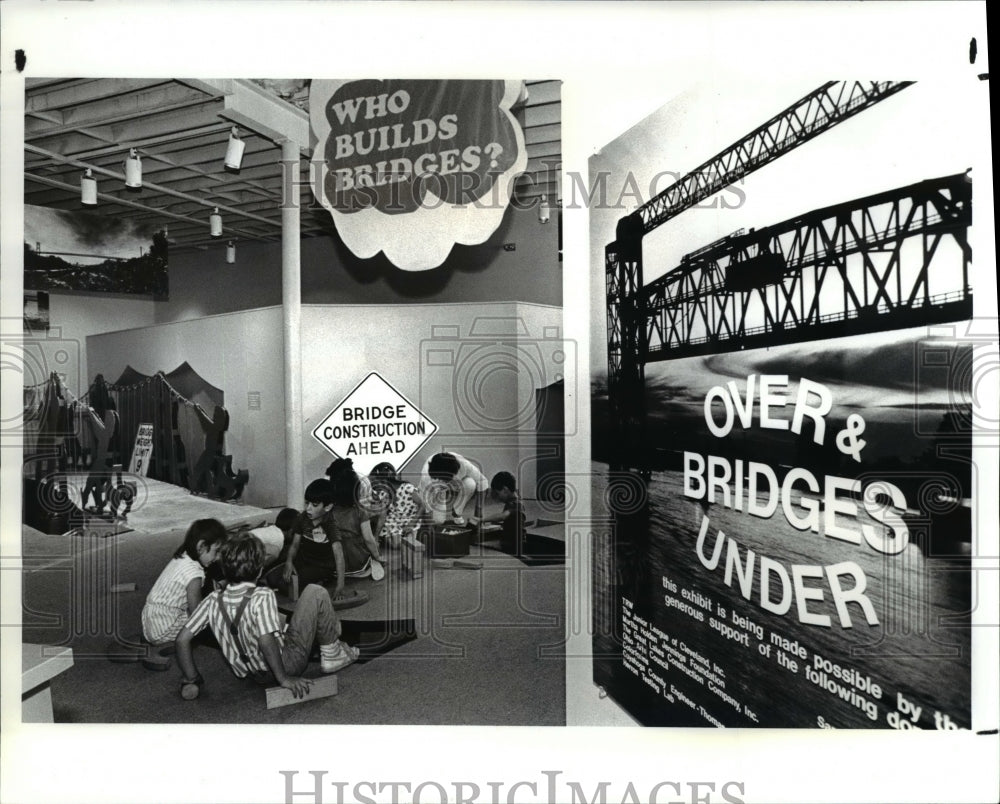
215, 222
234, 151
88, 188
133, 170
230, 252
544, 211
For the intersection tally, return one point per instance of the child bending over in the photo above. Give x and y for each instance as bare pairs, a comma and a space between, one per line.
449, 477
277, 538
178, 590
512, 517
404, 504
244, 618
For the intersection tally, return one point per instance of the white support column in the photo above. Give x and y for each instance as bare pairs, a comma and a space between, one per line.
291, 316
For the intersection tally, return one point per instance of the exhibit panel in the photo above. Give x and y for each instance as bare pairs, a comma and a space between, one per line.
784, 491
803, 559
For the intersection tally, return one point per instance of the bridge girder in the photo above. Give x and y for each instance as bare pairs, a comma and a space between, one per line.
861, 266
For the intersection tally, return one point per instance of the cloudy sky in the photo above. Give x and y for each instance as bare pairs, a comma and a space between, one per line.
75, 233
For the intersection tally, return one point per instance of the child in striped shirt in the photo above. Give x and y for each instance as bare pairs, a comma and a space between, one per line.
244, 619
177, 592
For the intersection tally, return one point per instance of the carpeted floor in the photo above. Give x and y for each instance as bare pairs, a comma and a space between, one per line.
465, 647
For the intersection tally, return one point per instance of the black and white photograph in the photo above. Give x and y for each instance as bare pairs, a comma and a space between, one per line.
784, 423
387, 433
489, 402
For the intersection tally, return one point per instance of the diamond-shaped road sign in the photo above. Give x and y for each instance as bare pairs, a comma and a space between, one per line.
375, 423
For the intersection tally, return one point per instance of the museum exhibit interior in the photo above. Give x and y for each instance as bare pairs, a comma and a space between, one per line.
230, 284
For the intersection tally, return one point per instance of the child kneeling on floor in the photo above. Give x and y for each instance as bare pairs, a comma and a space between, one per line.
512, 517
244, 618
178, 590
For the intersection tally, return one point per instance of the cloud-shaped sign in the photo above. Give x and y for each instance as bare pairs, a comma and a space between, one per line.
412, 167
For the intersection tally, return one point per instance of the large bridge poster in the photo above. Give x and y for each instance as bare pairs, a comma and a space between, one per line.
783, 446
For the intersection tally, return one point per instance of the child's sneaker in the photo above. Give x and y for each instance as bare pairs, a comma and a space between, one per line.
458, 520
336, 656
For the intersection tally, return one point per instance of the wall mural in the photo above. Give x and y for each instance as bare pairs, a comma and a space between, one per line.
36, 312
84, 252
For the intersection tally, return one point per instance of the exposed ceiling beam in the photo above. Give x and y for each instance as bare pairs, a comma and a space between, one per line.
86, 92
37, 131
175, 136
161, 213
149, 185
255, 108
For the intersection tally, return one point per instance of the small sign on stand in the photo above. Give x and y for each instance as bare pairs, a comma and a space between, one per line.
142, 450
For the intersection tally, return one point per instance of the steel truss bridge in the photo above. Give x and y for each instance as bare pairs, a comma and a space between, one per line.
856, 267
862, 266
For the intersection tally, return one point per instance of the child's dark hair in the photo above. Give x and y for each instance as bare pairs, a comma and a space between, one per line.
383, 471
443, 466
384, 479
346, 489
242, 559
286, 519
503, 480
340, 466
208, 531
320, 491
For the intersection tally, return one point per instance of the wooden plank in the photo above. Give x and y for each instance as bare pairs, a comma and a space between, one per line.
322, 687
540, 92
42, 663
553, 148
538, 134
541, 115
556, 532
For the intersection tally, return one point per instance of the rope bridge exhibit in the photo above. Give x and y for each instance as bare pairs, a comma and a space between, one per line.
95, 434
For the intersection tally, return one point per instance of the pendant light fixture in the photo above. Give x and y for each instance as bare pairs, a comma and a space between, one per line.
215, 222
544, 211
234, 151
88, 188
133, 170
230, 252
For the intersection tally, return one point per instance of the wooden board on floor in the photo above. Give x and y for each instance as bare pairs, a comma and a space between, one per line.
322, 687
556, 532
